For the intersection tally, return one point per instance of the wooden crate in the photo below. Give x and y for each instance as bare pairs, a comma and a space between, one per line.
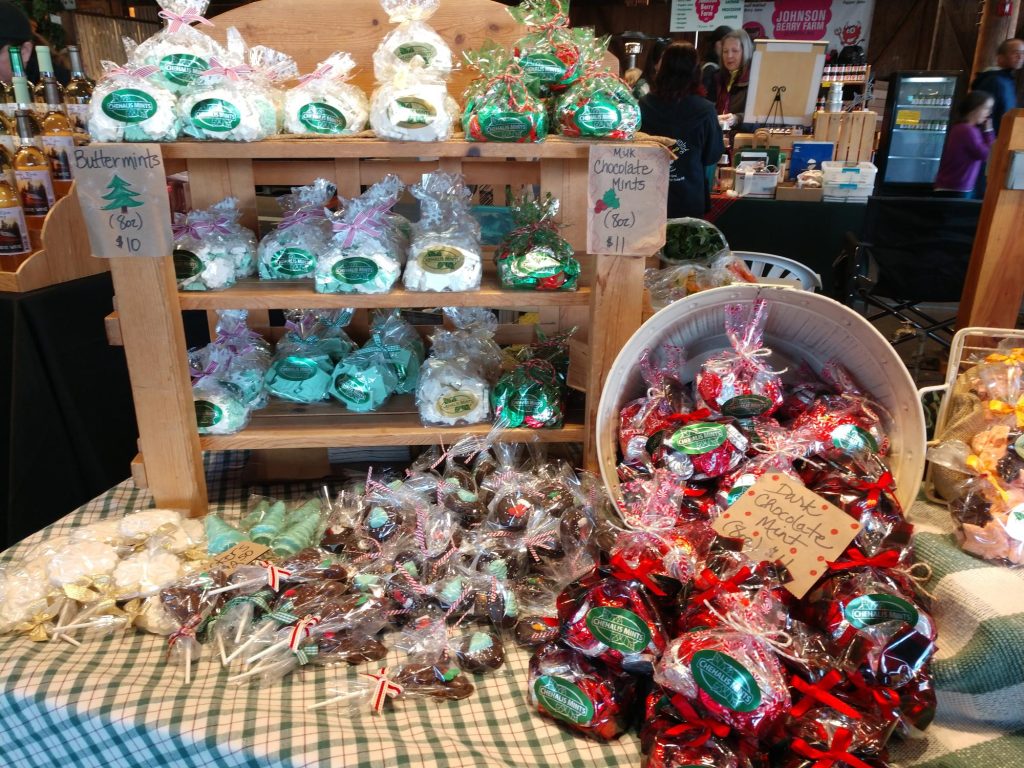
606, 309
853, 134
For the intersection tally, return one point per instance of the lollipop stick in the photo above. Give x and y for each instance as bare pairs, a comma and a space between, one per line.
188, 663
88, 624
220, 647
328, 702
243, 622
254, 671
61, 618
70, 640
259, 633
267, 651
239, 585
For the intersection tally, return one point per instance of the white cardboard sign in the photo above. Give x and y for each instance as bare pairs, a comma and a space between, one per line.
627, 192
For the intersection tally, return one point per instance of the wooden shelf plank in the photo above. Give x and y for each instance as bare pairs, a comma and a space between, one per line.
299, 294
314, 147
328, 425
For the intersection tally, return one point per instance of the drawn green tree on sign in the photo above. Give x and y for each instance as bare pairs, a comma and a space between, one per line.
120, 195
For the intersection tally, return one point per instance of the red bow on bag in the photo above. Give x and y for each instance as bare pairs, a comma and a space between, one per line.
819, 692
383, 690
837, 754
717, 586
689, 418
694, 722
621, 569
890, 558
875, 488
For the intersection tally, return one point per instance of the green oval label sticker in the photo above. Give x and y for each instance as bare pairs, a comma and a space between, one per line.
563, 700
186, 264
322, 118
695, 439
407, 51
725, 680
441, 260
1018, 446
457, 404
355, 271
619, 629
207, 414
296, 369
869, 610
746, 406
597, 117
536, 263
182, 68
852, 439
351, 389
545, 67
505, 126
128, 105
410, 112
743, 483
294, 262
216, 115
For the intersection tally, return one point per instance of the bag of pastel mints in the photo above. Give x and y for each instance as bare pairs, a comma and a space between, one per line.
454, 387
445, 250
291, 250
500, 105
211, 249
325, 103
128, 106
474, 330
301, 370
534, 256
365, 255
180, 52
402, 345
240, 366
222, 408
237, 98
364, 380
412, 41
413, 104
550, 53
599, 104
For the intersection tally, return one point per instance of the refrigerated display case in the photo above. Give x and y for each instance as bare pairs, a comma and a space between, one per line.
917, 117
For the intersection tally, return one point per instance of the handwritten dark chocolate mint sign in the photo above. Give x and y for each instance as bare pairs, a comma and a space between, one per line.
778, 518
122, 190
627, 187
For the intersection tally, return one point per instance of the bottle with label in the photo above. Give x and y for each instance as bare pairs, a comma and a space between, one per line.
32, 170
58, 135
45, 75
14, 239
78, 94
23, 100
17, 66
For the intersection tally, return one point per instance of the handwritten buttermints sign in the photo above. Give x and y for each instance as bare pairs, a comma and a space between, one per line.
627, 189
122, 190
780, 519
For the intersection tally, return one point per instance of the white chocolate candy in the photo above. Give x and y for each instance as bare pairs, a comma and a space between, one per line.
450, 394
146, 573
437, 265
81, 562
154, 618
104, 531
22, 595
411, 107
132, 109
140, 525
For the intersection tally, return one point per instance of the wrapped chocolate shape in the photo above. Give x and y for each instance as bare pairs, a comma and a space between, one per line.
599, 104
445, 251
534, 256
500, 105
550, 53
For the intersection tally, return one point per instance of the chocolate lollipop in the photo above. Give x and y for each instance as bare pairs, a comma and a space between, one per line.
440, 680
479, 652
189, 605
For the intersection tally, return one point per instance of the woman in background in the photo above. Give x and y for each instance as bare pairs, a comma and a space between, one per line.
675, 109
711, 60
727, 86
967, 146
642, 85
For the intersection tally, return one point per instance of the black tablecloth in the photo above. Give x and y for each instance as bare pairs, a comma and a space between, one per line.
69, 431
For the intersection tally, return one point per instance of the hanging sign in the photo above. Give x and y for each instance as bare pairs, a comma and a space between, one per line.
122, 191
841, 22
705, 15
627, 190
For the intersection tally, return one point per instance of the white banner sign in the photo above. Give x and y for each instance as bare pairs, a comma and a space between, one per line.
705, 15
841, 22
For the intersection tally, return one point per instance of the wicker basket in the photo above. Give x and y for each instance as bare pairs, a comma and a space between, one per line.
801, 326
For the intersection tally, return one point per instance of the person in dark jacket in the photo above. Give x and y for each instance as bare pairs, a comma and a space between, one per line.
967, 147
727, 86
675, 109
1001, 81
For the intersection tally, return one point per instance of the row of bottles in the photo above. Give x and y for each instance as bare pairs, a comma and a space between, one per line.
41, 125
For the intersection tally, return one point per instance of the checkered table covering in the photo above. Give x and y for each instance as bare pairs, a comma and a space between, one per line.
114, 702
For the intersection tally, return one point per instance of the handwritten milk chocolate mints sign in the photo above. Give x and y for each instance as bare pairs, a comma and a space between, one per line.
628, 186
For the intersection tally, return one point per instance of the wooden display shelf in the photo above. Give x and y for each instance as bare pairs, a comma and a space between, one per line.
329, 425
299, 294
60, 249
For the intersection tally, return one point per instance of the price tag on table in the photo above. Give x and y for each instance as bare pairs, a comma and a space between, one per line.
122, 190
627, 190
243, 553
778, 518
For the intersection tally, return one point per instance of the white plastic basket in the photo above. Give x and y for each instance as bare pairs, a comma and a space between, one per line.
801, 326
839, 172
845, 193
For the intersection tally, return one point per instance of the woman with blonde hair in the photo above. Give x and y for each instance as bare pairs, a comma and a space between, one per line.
727, 87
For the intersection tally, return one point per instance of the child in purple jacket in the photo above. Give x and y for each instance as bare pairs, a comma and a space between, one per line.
967, 146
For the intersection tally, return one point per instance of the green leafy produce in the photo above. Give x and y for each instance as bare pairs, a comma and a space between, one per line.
690, 239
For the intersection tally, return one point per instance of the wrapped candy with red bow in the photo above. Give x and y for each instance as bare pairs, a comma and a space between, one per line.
699, 447
641, 419
695, 742
567, 686
861, 485
599, 104
550, 53
773, 448
500, 105
739, 382
823, 738
613, 618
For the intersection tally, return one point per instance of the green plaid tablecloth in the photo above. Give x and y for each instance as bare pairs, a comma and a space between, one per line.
114, 702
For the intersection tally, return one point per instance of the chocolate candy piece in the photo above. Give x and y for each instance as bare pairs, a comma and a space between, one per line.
383, 522
536, 630
440, 681
512, 512
466, 505
497, 604
480, 652
353, 648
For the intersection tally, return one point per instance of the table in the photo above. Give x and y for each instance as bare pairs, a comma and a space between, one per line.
114, 701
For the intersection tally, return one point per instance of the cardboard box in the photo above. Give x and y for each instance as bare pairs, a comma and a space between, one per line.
802, 194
